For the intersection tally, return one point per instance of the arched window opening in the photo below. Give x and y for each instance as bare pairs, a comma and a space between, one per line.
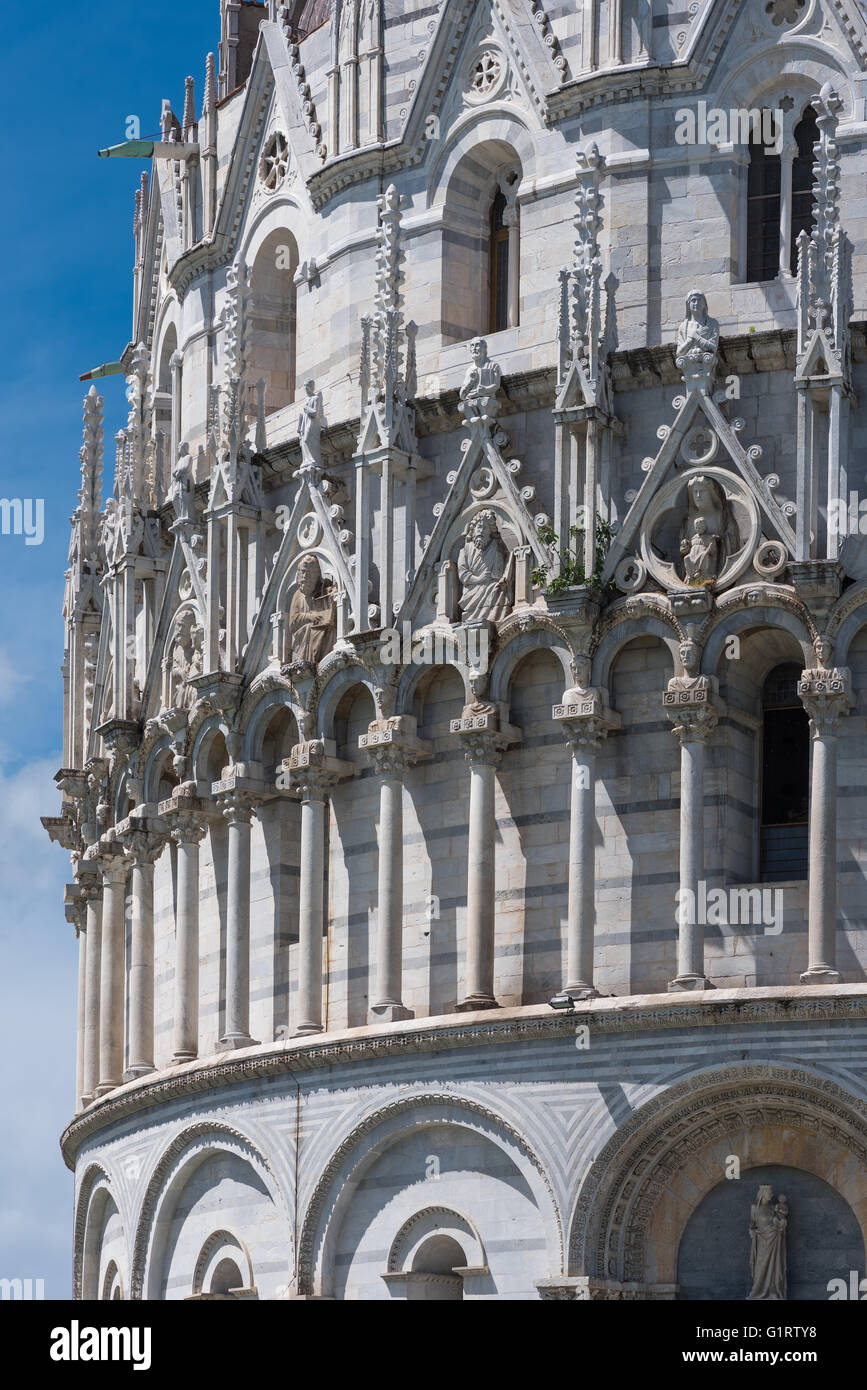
481, 286
785, 784
433, 1276
272, 320
167, 410
226, 1279
498, 288
806, 136
763, 210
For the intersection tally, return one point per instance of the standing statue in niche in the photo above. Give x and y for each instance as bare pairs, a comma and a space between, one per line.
183, 489
481, 384
484, 571
186, 661
310, 427
697, 342
709, 534
312, 615
768, 1221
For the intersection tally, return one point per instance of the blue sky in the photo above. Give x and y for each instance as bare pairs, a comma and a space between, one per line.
73, 76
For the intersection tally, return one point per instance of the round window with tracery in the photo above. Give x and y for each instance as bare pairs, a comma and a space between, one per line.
486, 75
274, 162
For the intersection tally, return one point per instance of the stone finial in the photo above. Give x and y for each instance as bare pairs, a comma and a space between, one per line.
209, 104
91, 456
189, 119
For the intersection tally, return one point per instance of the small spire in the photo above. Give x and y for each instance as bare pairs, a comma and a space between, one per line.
189, 109
210, 102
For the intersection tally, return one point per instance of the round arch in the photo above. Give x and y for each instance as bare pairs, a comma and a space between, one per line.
186, 1152
372, 1136
631, 1202
626, 631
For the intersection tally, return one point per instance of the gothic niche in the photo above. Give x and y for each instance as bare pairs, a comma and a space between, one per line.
701, 531
485, 571
312, 625
185, 662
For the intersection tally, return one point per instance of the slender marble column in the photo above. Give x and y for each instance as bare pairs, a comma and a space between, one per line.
827, 698
693, 724
483, 752
313, 770
111, 986
188, 831
80, 920
238, 811
92, 892
311, 906
144, 850
392, 751
586, 720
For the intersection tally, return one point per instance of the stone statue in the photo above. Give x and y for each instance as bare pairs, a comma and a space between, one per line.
700, 555
709, 534
186, 661
310, 427
481, 383
484, 571
768, 1221
697, 341
312, 616
183, 488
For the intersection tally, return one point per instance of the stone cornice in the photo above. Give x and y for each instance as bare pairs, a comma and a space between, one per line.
636, 1014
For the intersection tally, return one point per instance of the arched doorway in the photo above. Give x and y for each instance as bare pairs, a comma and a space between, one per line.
821, 1238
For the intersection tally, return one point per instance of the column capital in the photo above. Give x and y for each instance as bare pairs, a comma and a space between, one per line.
585, 717
143, 837
113, 861
237, 804
313, 769
484, 733
692, 705
75, 907
392, 744
827, 697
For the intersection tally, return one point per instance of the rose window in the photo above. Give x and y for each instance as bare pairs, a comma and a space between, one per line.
274, 162
485, 76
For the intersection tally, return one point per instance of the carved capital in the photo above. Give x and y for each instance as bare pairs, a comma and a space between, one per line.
313, 769
188, 827
392, 744
237, 807
585, 717
693, 707
484, 734
827, 697
144, 847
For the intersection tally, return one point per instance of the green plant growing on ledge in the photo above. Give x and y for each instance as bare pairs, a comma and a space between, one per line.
572, 573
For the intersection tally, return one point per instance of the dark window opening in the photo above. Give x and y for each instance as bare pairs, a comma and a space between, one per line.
499, 267
806, 136
763, 213
785, 778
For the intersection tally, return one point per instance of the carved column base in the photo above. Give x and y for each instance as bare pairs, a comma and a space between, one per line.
821, 975
304, 1030
112, 1086
141, 1069
683, 983
233, 1041
476, 1001
178, 1058
581, 991
388, 1013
